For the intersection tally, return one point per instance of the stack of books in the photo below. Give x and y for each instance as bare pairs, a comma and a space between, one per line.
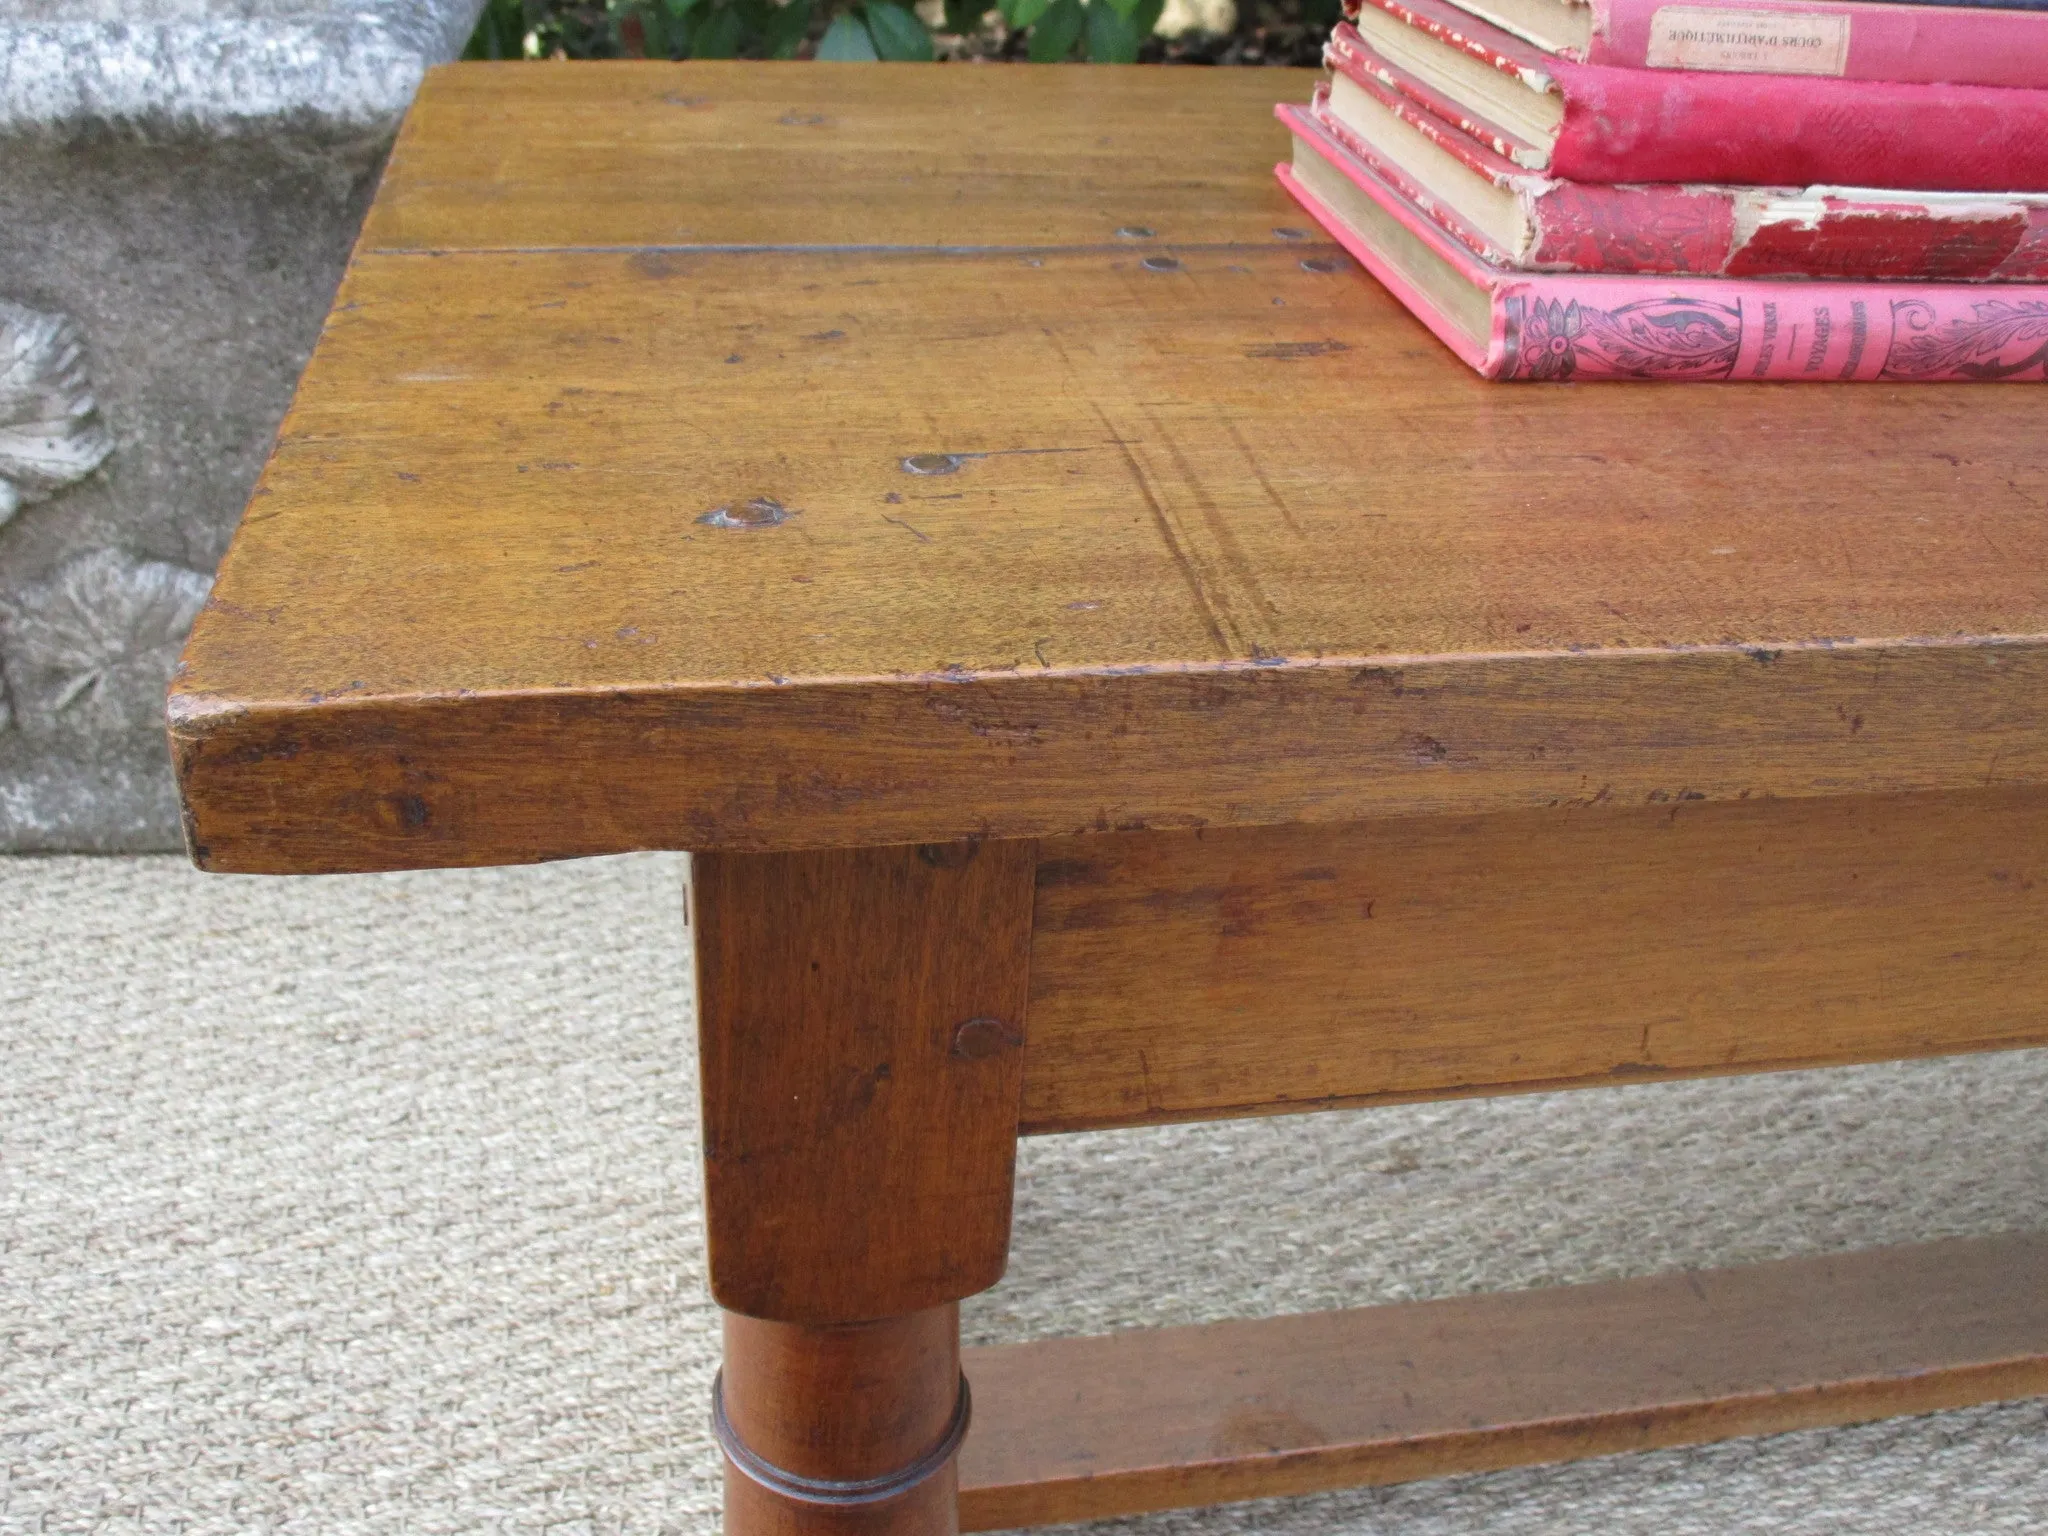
1732, 189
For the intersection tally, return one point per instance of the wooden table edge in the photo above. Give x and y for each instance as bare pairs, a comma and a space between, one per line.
466, 778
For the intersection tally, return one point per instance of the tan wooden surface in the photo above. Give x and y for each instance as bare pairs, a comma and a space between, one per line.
1080, 1429
1179, 976
861, 1034
1232, 542
637, 155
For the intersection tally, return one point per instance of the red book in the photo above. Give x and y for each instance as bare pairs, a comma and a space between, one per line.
1847, 39
1511, 324
1596, 123
1521, 218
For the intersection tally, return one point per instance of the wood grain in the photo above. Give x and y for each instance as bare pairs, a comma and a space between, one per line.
1177, 976
861, 1031
634, 154
842, 1405
1232, 543
1082, 1429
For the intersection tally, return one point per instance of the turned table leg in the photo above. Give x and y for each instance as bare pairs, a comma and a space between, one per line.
861, 1028
854, 1428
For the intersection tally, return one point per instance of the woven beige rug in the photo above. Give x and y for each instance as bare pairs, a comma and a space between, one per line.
367, 1206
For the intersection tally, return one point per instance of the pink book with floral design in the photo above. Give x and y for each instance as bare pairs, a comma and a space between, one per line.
1513, 324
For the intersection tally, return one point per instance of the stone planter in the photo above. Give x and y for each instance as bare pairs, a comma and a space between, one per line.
179, 184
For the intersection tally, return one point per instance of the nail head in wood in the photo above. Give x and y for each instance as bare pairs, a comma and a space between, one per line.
979, 1039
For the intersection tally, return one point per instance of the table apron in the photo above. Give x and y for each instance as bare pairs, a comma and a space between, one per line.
1183, 976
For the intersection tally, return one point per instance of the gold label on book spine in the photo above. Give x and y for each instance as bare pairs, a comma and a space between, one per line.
1748, 42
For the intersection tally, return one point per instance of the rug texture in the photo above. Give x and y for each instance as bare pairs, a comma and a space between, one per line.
366, 1206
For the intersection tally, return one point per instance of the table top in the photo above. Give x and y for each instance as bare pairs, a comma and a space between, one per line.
772, 456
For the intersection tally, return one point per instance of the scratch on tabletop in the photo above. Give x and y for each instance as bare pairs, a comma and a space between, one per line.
1189, 575
951, 461
1259, 473
1220, 530
1290, 351
922, 538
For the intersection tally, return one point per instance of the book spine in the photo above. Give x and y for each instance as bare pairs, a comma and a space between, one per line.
2029, 260
1689, 125
1736, 231
1839, 233
1781, 232
1747, 232
1555, 328
1624, 125
1985, 5
1571, 227
1957, 45
1577, 227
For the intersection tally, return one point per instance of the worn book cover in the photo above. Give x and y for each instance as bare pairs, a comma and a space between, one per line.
1524, 218
1841, 39
1511, 324
1597, 123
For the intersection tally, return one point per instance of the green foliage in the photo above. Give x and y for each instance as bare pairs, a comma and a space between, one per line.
712, 29
1054, 34
848, 40
1103, 31
1116, 28
965, 16
500, 31
899, 36
785, 29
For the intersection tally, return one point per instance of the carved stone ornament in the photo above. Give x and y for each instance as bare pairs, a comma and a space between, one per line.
92, 647
50, 430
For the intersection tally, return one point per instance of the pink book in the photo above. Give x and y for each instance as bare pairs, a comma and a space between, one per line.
1521, 218
1846, 39
1596, 123
1510, 324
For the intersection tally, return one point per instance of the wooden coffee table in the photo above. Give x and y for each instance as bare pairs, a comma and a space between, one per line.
1113, 667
